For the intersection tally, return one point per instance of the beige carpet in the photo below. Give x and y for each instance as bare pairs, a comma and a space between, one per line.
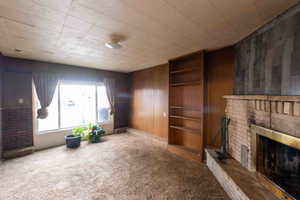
123, 167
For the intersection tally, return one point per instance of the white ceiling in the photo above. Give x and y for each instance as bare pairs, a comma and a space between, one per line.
74, 31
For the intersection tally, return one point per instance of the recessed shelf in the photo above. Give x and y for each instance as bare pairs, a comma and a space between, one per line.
186, 83
184, 70
185, 108
186, 90
190, 130
187, 118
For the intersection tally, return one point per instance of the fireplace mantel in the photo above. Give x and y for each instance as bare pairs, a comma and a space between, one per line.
264, 97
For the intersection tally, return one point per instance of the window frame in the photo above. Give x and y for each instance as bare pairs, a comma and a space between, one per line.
109, 121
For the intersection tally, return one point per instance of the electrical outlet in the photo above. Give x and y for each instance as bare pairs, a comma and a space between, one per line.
20, 100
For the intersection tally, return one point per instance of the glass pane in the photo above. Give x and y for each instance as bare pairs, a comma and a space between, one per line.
77, 105
103, 110
51, 122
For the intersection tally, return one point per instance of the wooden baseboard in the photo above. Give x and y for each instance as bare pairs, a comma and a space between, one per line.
18, 152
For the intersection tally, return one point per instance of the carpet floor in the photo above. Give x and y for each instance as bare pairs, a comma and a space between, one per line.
122, 167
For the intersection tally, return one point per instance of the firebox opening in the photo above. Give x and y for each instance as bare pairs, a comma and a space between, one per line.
280, 163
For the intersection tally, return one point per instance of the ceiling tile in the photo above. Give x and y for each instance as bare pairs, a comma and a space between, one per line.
61, 5
27, 31
83, 13
21, 5
77, 24
48, 13
75, 31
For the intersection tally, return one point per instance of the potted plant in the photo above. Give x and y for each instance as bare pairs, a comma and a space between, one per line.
74, 140
95, 131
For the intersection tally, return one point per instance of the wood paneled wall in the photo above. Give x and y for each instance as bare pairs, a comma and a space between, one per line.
17, 119
149, 105
150, 95
219, 75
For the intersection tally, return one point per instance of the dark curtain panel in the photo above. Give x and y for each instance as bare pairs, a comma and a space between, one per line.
45, 85
110, 91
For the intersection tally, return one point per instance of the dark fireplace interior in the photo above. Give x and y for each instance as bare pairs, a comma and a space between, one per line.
280, 164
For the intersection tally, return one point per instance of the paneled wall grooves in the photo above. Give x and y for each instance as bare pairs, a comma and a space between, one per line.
149, 101
17, 128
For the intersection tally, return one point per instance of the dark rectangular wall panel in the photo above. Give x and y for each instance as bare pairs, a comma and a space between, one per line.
17, 86
1, 107
17, 127
268, 61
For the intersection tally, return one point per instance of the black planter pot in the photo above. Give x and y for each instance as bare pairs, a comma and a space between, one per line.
94, 138
73, 141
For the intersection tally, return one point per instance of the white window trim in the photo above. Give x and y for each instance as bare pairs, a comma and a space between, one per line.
71, 128
108, 122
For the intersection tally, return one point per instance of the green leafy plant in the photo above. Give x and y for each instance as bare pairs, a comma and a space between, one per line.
79, 131
95, 131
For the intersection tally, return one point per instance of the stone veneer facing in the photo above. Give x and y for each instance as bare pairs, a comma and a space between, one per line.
231, 176
281, 113
228, 184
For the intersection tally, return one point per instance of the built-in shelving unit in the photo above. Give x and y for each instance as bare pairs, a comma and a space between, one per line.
194, 69
189, 130
187, 118
186, 106
185, 83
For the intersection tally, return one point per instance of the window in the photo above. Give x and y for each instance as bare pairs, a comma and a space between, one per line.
76, 105
51, 122
103, 110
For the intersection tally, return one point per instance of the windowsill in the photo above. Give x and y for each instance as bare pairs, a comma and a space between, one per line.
65, 130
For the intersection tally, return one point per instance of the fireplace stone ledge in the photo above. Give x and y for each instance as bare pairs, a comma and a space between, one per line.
238, 182
264, 97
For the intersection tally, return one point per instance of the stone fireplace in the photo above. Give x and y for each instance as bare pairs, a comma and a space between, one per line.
264, 138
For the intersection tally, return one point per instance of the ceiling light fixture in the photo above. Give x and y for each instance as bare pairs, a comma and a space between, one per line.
18, 50
115, 41
113, 45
